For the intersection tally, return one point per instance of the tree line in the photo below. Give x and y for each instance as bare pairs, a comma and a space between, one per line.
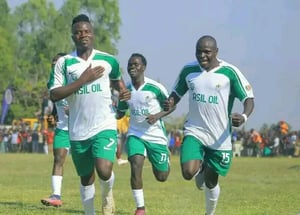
33, 32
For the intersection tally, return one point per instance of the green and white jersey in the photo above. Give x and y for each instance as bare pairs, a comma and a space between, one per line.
60, 106
90, 108
146, 100
211, 98
63, 118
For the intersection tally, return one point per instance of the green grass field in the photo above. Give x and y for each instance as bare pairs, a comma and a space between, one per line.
254, 186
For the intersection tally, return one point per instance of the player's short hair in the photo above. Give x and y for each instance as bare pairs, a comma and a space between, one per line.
144, 61
80, 18
61, 54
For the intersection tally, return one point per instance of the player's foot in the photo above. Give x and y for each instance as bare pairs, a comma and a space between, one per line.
199, 179
108, 204
140, 212
121, 161
53, 200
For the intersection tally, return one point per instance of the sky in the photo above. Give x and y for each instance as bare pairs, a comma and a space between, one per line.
260, 37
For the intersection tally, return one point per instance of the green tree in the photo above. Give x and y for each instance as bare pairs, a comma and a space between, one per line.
105, 19
38, 31
7, 46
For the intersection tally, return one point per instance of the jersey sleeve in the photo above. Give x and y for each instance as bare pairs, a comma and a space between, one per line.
180, 87
57, 75
241, 88
115, 73
163, 95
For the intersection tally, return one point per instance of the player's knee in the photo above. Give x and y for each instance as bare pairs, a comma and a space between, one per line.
187, 175
59, 160
162, 177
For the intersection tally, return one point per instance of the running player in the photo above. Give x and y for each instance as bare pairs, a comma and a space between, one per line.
146, 134
83, 77
61, 146
213, 85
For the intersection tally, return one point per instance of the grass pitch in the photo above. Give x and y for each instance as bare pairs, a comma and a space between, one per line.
254, 186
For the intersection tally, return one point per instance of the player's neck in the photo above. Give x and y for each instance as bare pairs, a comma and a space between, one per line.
138, 82
84, 53
213, 65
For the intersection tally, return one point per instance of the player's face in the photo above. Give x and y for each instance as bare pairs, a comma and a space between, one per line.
206, 54
135, 67
82, 35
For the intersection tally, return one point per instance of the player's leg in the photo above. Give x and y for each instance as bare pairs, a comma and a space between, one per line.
217, 163
84, 163
61, 146
136, 155
191, 157
119, 150
159, 157
104, 150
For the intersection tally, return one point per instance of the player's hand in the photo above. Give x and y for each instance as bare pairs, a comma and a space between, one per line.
237, 119
151, 119
124, 94
168, 104
91, 74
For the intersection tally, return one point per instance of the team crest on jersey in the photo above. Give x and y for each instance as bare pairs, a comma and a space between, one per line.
73, 76
192, 86
147, 99
248, 87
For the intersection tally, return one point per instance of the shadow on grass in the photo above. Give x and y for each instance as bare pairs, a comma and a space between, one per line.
28, 207
295, 167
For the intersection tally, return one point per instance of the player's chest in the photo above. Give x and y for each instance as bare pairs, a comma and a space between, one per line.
74, 71
208, 82
142, 98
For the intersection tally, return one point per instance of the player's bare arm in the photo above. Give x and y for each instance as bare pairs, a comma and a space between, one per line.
237, 118
90, 74
124, 93
170, 103
168, 107
152, 118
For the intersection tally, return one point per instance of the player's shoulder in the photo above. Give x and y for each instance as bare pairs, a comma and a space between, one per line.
69, 56
155, 84
103, 54
229, 66
191, 64
109, 58
150, 81
190, 67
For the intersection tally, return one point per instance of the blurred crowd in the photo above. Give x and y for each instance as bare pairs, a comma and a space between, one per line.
278, 140
275, 141
21, 137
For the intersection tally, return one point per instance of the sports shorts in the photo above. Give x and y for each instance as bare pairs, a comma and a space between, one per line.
193, 149
61, 139
103, 145
157, 154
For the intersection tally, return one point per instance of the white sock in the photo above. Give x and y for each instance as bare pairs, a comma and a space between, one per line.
87, 194
56, 184
106, 186
138, 196
212, 196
